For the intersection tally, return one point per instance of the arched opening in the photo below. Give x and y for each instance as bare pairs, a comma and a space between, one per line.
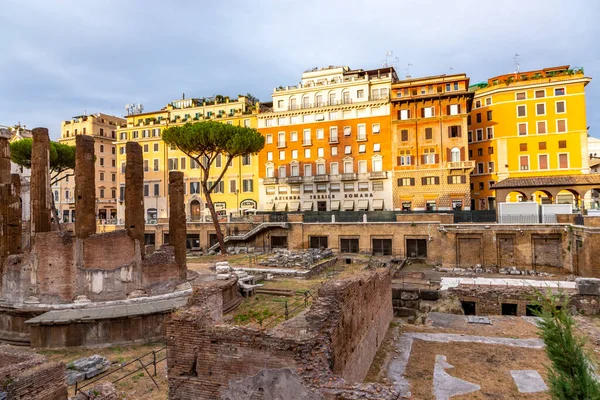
542, 197
516, 196
195, 210
569, 196
591, 199
455, 154
346, 97
305, 101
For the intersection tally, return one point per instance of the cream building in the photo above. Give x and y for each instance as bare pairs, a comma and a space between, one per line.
103, 128
15, 133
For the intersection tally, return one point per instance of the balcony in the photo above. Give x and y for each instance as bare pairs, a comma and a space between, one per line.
295, 179
349, 176
321, 178
307, 142
460, 164
270, 181
333, 139
280, 145
377, 174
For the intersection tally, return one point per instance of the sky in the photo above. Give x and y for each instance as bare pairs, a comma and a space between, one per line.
62, 58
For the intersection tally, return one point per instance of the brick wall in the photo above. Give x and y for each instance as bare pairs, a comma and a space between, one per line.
26, 375
335, 340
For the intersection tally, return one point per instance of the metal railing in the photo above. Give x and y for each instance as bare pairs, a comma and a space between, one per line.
156, 358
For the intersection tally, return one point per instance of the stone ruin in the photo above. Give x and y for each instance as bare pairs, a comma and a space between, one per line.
82, 270
296, 259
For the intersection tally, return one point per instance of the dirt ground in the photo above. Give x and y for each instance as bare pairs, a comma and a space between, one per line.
488, 366
137, 386
502, 326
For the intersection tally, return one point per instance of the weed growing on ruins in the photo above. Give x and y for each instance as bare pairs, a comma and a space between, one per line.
251, 315
571, 373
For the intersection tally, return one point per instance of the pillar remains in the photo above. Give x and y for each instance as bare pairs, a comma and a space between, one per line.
14, 238
85, 186
4, 201
134, 193
177, 220
41, 203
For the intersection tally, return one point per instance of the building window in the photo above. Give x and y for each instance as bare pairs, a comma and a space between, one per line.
561, 125
248, 185
306, 153
543, 161
430, 180
457, 179
404, 158
480, 151
377, 186
270, 172
320, 134
376, 147
269, 139
479, 134
523, 147
348, 187
559, 91
489, 115
362, 132
308, 188
334, 168
478, 117
113, 177
155, 147
232, 186
454, 131
320, 152
540, 94
282, 154
488, 101
540, 109
562, 144
524, 163
521, 111
270, 190
480, 168
173, 164
428, 133
406, 182
563, 161
375, 128
146, 190
521, 95
490, 150
427, 112
334, 151
490, 132
542, 145
491, 167
281, 171
522, 128
362, 148
454, 109
404, 114
182, 163
307, 169
194, 187
541, 127
560, 107
146, 168
348, 167
347, 149
404, 135
362, 167
269, 156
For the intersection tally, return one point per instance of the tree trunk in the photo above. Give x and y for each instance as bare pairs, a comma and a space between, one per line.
216, 223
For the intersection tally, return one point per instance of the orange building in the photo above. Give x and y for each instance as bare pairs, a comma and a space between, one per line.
429, 125
328, 143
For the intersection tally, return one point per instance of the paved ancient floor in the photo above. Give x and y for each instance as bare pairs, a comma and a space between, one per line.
443, 384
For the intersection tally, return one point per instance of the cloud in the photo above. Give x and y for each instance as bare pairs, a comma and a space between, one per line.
62, 57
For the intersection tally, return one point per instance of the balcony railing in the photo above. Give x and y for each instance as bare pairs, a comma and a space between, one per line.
377, 174
321, 178
294, 179
334, 139
461, 164
306, 142
270, 180
349, 176
280, 144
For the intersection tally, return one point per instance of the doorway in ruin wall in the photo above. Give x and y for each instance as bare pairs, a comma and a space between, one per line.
506, 250
469, 251
547, 251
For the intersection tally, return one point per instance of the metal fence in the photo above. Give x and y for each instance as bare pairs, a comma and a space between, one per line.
350, 216
474, 216
519, 219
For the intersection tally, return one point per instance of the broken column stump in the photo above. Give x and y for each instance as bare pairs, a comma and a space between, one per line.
134, 193
85, 186
40, 186
177, 220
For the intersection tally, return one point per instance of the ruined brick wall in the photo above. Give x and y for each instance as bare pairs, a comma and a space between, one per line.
334, 340
360, 312
53, 272
25, 375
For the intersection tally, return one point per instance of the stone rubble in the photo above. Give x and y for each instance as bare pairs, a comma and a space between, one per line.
86, 368
478, 269
296, 259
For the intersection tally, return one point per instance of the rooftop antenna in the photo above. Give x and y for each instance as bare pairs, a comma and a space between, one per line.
388, 54
517, 64
408, 70
132, 108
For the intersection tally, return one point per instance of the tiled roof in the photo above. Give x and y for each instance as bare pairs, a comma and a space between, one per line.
540, 181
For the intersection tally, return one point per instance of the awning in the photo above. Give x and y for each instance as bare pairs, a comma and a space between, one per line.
269, 206
294, 206
335, 205
281, 206
348, 205
377, 204
307, 206
363, 205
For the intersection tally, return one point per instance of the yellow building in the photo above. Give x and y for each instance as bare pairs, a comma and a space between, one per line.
103, 129
527, 124
238, 189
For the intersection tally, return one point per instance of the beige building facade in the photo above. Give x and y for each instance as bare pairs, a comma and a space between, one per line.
103, 128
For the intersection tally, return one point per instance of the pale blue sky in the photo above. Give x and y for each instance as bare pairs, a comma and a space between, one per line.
61, 57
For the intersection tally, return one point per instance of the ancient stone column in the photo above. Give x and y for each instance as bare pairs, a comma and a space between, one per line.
134, 193
40, 186
14, 238
177, 221
4, 195
85, 186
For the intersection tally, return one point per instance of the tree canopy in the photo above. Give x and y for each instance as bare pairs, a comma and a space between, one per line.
204, 142
62, 156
